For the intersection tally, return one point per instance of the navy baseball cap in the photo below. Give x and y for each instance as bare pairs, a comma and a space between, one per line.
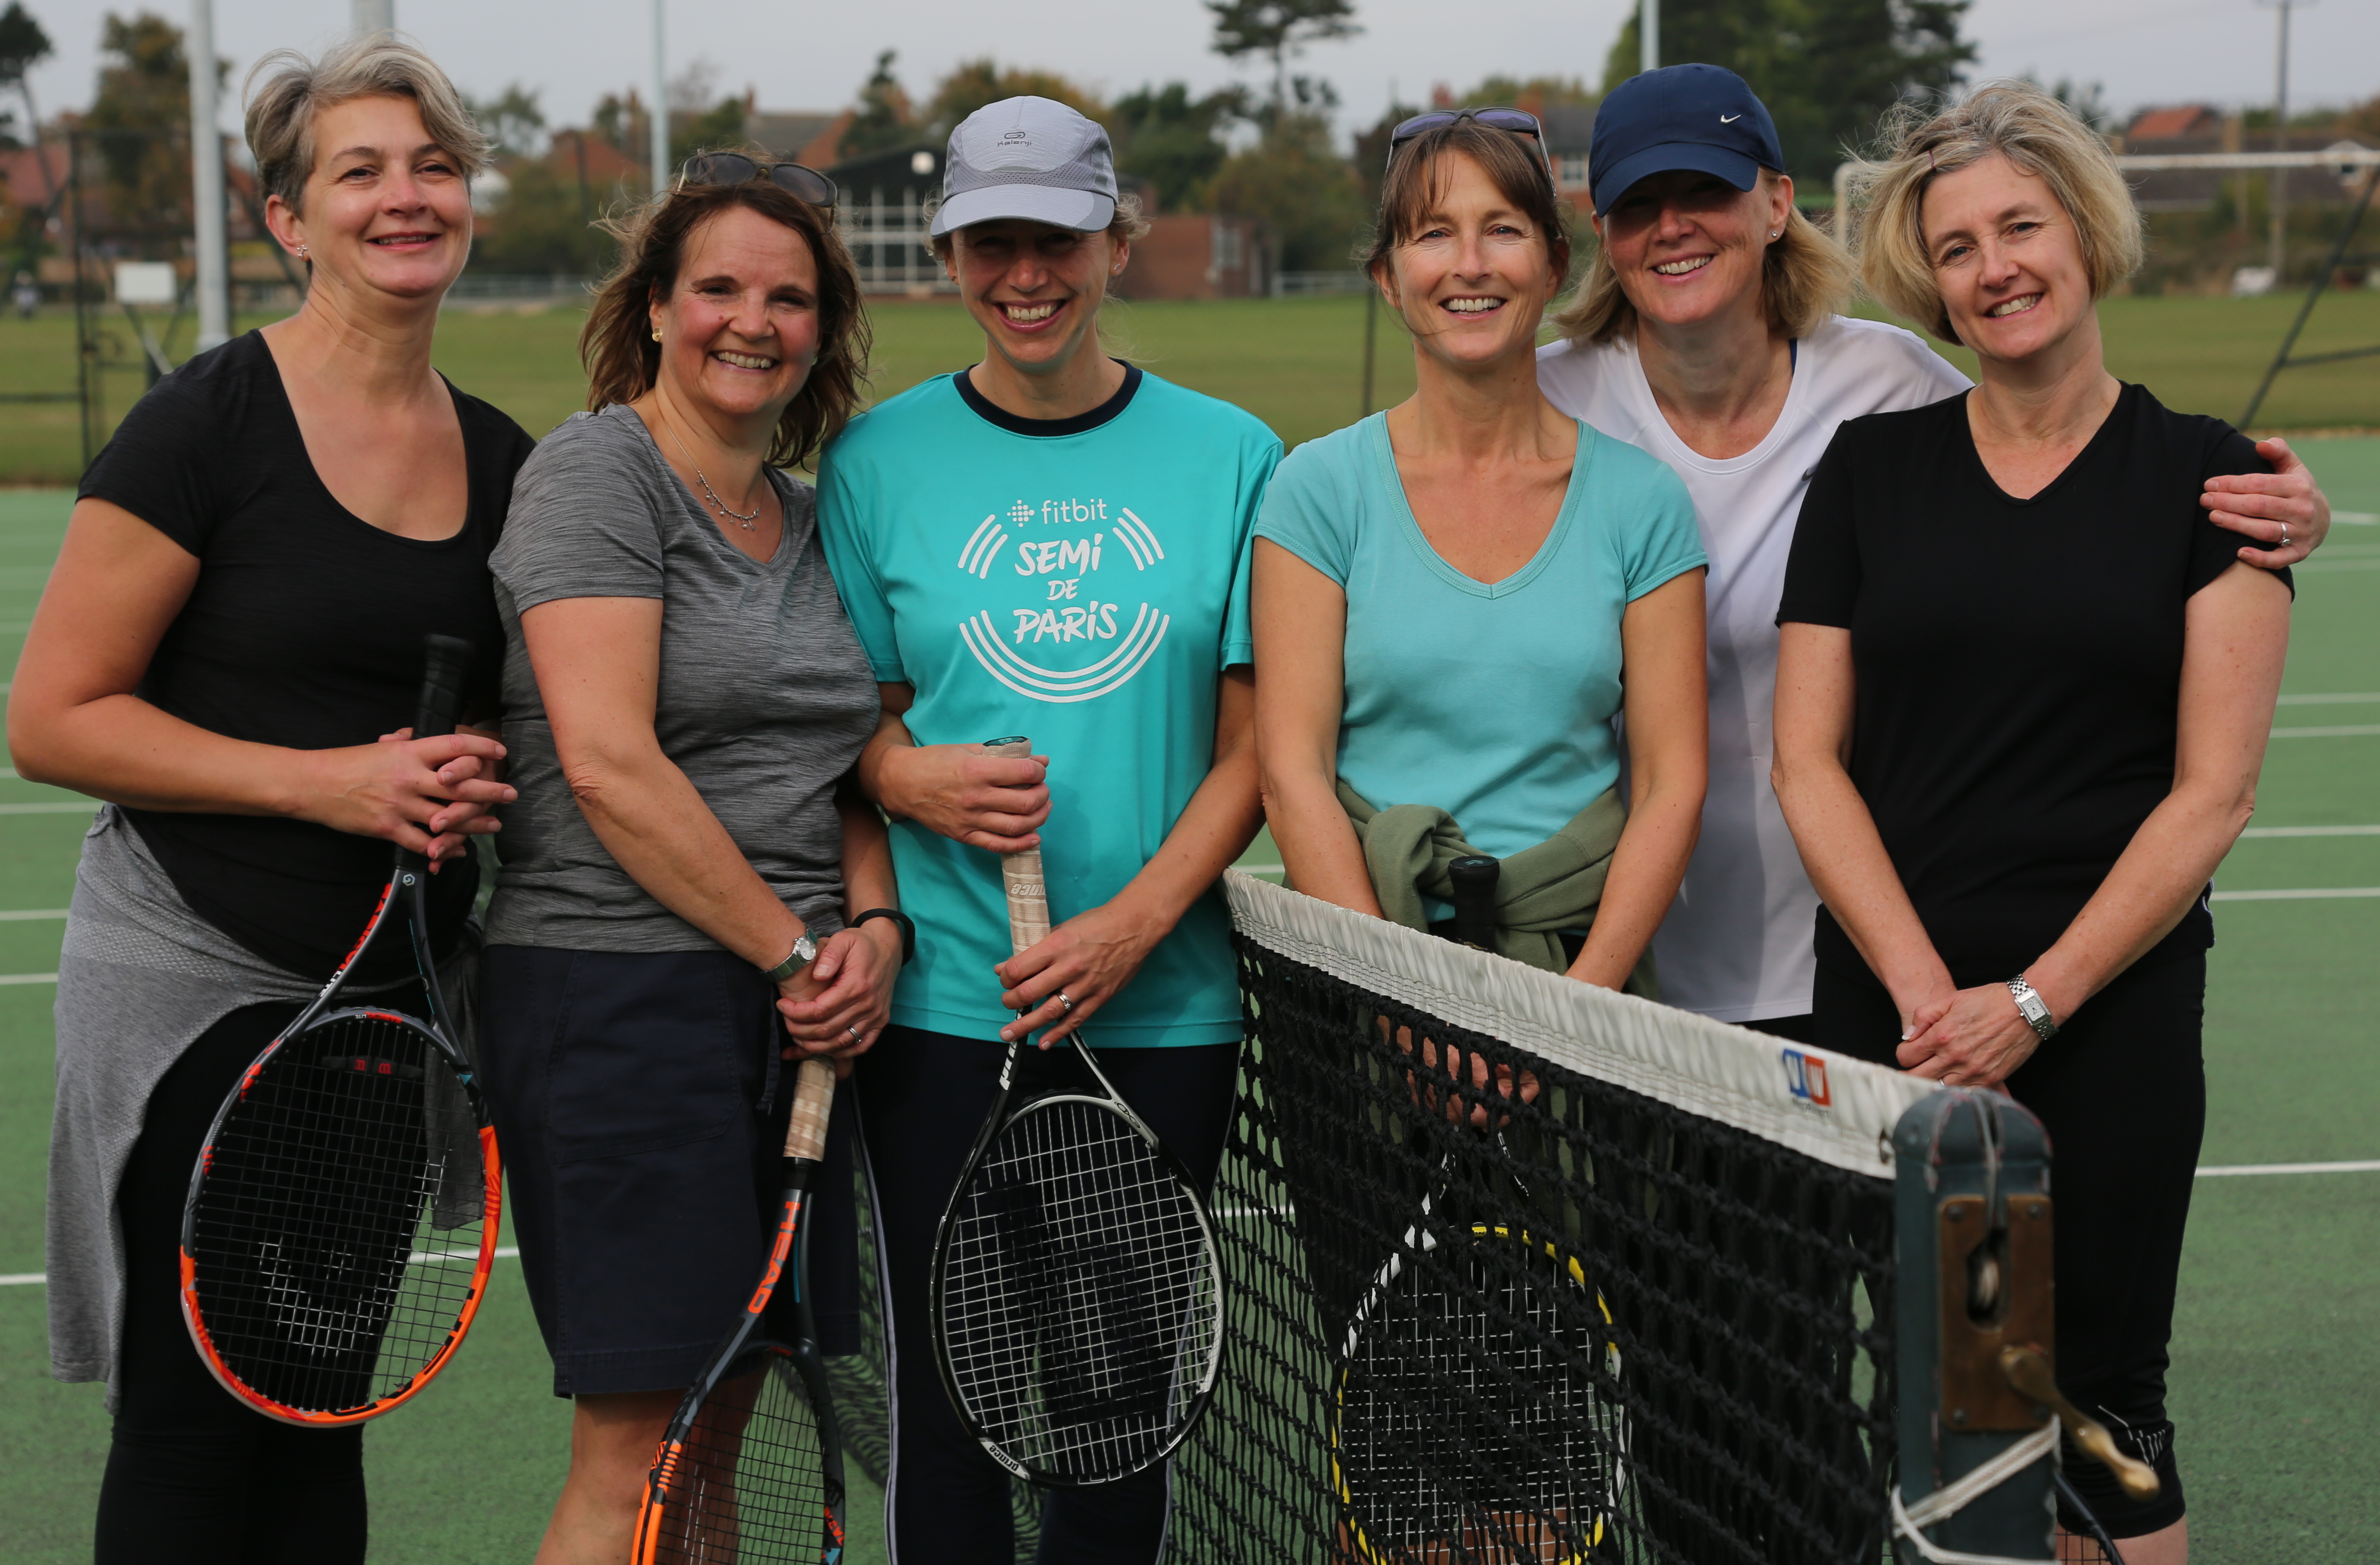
1701, 117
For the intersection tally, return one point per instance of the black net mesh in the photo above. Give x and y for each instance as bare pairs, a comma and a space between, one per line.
337, 1234
747, 1481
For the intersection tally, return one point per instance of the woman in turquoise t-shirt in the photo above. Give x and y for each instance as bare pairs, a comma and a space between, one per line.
1454, 597
1051, 544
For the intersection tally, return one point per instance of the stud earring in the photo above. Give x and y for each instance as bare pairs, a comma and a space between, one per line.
657, 334
304, 253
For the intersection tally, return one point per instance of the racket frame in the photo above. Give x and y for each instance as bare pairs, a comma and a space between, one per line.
788, 1257
1029, 922
408, 881
1420, 1240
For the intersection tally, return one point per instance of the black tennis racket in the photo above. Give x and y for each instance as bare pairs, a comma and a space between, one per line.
751, 1467
1473, 1414
1077, 1303
342, 1214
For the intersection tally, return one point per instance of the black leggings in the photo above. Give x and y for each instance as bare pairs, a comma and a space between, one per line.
2122, 1091
922, 1097
193, 1475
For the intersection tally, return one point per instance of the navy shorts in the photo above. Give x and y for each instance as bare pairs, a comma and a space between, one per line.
637, 1112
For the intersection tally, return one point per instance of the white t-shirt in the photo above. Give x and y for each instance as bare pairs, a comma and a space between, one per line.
1736, 945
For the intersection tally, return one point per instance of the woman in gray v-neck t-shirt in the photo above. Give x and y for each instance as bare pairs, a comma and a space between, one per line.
764, 697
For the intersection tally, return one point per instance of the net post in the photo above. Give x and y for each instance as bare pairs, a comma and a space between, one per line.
1974, 1250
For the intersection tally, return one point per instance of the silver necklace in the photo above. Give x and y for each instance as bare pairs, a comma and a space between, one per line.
741, 518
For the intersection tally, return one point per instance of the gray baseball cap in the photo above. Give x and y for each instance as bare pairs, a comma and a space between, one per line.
1031, 158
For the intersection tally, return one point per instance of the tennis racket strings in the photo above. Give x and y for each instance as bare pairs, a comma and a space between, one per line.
1082, 1308
1477, 1415
336, 1238
749, 1481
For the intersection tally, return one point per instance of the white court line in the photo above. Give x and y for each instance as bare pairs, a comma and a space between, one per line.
1259, 868
2303, 894
35, 1278
28, 977
2356, 518
2341, 731
87, 806
2343, 698
2311, 831
2367, 1166
26, 915
2327, 567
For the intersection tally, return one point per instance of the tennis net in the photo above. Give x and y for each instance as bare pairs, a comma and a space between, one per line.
1521, 1270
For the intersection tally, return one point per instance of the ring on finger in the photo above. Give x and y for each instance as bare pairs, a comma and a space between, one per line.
856, 1036
1064, 1004
2285, 535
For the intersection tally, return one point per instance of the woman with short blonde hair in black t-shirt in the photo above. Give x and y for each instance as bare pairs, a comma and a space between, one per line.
229, 648
2022, 694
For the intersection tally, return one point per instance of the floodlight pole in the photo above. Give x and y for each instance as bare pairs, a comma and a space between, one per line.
659, 115
1648, 35
2276, 185
367, 17
209, 233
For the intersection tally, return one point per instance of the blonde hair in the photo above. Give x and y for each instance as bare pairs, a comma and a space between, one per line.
281, 114
1805, 275
2034, 132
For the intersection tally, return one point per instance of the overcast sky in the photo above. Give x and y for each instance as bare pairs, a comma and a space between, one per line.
802, 55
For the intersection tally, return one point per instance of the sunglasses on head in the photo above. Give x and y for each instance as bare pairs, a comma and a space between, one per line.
1520, 122
734, 168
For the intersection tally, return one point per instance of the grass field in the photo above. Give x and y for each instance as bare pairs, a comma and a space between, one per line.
1294, 363
2278, 1341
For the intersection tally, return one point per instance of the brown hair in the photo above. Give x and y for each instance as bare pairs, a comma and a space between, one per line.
1417, 183
281, 114
617, 346
2036, 133
1805, 275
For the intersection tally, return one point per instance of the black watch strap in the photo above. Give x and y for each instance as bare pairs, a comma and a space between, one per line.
908, 929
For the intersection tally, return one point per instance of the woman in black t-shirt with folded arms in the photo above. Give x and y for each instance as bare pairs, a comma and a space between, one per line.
2021, 703
228, 647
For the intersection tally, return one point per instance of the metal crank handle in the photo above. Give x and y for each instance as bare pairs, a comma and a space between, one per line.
2028, 1371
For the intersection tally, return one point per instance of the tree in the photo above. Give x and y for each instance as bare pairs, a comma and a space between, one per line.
1536, 94
884, 120
139, 122
513, 121
1296, 184
543, 229
23, 45
1828, 69
722, 125
978, 83
1278, 30
1174, 140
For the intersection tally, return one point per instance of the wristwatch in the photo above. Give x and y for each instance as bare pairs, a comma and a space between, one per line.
805, 952
2035, 1010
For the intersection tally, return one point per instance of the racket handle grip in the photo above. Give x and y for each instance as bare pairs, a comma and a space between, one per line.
446, 659
813, 1107
1020, 873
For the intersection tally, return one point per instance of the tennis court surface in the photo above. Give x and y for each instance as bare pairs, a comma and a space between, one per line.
2278, 1341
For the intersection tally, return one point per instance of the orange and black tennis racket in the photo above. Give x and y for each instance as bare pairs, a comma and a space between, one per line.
750, 1470
342, 1214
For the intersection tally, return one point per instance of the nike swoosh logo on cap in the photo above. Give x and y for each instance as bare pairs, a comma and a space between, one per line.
1729, 119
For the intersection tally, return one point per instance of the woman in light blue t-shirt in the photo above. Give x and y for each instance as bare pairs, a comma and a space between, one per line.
1453, 598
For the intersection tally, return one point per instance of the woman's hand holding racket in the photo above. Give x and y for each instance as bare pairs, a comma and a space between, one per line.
997, 803
403, 790
839, 1005
1087, 959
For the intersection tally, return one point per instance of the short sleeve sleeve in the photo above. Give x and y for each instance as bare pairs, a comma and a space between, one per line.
164, 463
849, 529
585, 518
1256, 468
2214, 550
1822, 574
1669, 543
1307, 513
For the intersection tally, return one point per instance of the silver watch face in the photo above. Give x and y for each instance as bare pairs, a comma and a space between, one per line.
806, 948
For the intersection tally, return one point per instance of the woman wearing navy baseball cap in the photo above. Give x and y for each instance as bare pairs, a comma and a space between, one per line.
1709, 330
